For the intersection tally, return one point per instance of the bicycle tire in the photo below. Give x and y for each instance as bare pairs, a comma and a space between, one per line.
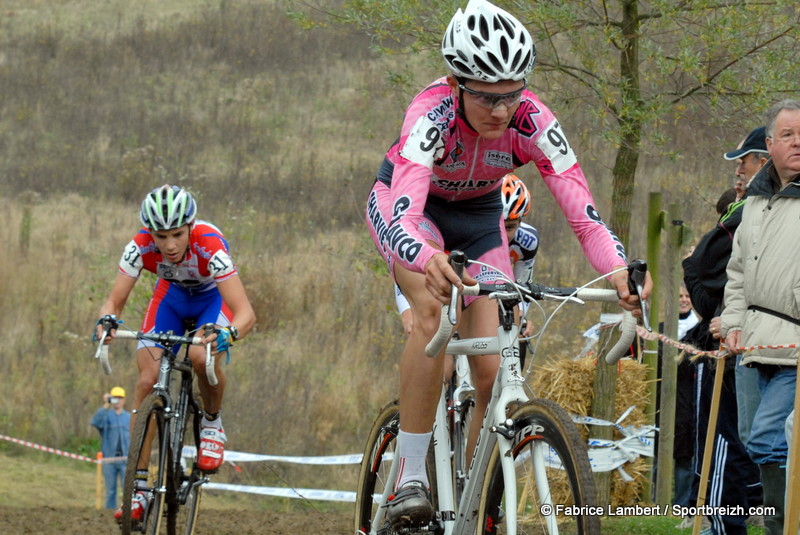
183, 500
543, 424
373, 475
151, 422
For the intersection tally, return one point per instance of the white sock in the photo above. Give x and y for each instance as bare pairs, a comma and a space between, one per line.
216, 422
412, 449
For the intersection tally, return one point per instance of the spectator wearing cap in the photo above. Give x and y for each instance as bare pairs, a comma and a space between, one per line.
750, 156
737, 479
761, 303
113, 422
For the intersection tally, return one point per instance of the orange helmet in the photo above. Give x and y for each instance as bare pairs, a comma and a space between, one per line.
516, 199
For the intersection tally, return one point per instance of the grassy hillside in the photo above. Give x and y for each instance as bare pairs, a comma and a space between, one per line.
279, 131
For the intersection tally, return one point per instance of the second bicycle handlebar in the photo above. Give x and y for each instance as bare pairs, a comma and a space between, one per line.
160, 338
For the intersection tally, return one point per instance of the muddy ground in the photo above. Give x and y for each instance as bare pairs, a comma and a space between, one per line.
55, 521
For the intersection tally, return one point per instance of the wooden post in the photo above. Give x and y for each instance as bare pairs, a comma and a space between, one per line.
791, 520
711, 432
99, 486
655, 225
669, 365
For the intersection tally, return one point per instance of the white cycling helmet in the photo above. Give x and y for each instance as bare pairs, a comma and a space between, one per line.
167, 207
488, 44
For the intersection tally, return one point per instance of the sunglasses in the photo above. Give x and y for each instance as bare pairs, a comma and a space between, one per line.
492, 100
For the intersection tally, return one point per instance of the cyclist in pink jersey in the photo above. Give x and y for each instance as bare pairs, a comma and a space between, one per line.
437, 190
198, 282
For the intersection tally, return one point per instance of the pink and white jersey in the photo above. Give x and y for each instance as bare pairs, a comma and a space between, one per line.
206, 261
439, 154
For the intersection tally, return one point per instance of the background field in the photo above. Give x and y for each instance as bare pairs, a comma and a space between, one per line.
279, 132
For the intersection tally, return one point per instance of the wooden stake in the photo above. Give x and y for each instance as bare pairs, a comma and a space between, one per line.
98, 502
709, 446
791, 520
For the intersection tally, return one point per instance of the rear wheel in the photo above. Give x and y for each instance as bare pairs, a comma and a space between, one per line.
552, 470
145, 451
373, 476
376, 465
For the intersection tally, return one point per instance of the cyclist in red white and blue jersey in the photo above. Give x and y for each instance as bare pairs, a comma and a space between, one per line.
198, 281
437, 191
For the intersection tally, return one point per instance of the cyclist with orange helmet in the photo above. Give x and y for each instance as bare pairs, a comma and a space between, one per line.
198, 281
523, 243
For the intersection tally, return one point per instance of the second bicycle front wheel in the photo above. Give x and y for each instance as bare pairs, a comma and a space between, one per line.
147, 452
186, 480
552, 473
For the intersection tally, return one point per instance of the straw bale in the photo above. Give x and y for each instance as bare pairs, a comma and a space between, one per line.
569, 383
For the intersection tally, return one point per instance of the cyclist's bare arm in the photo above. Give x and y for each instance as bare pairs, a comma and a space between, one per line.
120, 290
234, 295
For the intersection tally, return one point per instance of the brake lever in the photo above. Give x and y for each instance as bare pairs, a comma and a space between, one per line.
637, 272
458, 260
209, 329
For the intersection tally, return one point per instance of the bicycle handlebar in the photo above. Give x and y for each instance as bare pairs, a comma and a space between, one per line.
540, 292
168, 339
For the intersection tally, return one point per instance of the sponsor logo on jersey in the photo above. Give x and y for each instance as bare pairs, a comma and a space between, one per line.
461, 185
443, 112
487, 275
454, 156
499, 159
526, 239
395, 236
525, 118
592, 213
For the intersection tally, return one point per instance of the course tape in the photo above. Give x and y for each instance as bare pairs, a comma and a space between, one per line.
607, 455
604, 456
48, 449
306, 494
688, 348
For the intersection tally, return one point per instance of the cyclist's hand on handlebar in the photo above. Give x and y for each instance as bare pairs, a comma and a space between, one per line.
439, 277
108, 322
627, 300
219, 338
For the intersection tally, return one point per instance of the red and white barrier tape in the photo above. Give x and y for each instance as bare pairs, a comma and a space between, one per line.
48, 449
688, 348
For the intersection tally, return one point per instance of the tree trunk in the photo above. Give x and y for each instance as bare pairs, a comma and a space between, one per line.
622, 197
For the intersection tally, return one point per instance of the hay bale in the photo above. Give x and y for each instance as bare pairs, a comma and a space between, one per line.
569, 383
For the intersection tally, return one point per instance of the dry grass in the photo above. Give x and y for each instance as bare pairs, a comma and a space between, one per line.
279, 132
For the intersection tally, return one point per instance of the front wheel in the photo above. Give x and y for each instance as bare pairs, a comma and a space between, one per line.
147, 452
552, 472
186, 480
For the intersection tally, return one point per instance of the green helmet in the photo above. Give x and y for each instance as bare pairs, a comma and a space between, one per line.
167, 207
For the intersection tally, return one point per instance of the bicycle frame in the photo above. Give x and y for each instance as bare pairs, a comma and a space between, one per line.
459, 514
174, 402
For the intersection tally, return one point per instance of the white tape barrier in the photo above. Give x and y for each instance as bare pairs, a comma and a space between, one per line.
607, 455
306, 494
604, 456
240, 457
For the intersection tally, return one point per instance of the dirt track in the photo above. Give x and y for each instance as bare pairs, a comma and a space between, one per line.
53, 521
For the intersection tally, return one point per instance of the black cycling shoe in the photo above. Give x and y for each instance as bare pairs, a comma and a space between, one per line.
410, 505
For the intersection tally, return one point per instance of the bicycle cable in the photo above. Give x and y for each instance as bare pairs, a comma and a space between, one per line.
561, 304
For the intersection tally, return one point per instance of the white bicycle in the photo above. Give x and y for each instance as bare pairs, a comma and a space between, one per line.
530, 470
